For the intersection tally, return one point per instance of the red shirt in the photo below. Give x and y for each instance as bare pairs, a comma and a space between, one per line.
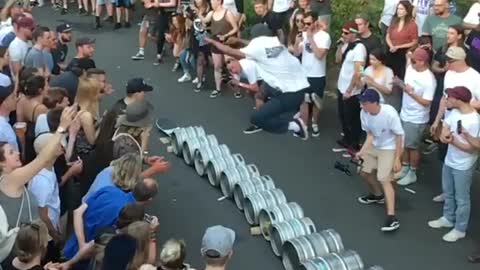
408, 33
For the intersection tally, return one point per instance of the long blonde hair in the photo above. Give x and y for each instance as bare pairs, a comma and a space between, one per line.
127, 170
140, 230
173, 254
88, 94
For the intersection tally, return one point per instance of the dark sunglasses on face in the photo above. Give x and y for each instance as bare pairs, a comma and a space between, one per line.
307, 23
345, 33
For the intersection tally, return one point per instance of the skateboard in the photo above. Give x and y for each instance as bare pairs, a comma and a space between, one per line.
166, 125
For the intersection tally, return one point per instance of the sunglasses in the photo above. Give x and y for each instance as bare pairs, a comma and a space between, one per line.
307, 23
345, 32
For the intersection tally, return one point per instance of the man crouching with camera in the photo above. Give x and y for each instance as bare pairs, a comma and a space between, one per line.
381, 152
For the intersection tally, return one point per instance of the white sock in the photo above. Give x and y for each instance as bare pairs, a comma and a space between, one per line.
141, 50
293, 126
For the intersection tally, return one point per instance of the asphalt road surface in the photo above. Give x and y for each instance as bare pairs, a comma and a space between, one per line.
187, 204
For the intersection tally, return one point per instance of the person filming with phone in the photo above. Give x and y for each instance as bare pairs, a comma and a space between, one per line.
459, 163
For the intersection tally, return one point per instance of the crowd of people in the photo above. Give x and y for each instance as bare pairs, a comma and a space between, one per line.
75, 182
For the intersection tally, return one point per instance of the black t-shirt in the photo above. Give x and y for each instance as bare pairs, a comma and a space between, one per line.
371, 42
473, 55
119, 107
59, 55
270, 20
82, 63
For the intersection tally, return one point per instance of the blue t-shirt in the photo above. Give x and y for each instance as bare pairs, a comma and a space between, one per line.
103, 179
104, 206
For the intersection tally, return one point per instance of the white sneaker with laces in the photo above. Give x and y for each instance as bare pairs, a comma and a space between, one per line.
402, 173
439, 198
195, 81
185, 78
440, 223
408, 179
453, 236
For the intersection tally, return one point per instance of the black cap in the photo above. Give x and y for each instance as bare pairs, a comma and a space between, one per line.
261, 30
64, 28
136, 85
84, 41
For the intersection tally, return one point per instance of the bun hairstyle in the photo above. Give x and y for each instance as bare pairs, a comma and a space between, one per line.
34, 86
173, 254
25, 74
31, 241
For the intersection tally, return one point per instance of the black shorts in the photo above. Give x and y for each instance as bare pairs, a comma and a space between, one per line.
266, 91
123, 3
317, 86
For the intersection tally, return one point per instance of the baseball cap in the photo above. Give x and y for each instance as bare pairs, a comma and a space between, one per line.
25, 22
460, 92
260, 30
138, 84
456, 53
137, 114
350, 26
420, 55
84, 41
217, 241
64, 28
370, 95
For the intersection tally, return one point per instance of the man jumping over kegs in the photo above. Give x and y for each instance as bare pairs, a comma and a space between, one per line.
279, 71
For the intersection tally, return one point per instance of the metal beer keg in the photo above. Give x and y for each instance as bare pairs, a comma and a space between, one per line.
255, 202
270, 216
217, 165
344, 260
233, 175
192, 144
180, 135
289, 229
255, 184
206, 153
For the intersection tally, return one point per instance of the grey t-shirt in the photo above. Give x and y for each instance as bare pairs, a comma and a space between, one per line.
11, 206
35, 58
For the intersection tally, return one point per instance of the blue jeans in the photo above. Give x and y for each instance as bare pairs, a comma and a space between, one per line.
456, 189
275, 115
187, 61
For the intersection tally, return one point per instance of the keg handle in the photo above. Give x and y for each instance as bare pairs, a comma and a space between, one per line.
312, 228
267, 177
239, 158
253, 168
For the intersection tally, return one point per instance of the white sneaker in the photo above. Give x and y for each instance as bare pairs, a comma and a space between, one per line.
439, 198
440, 223
195, 81
402, 173
408, 179
185, 78
453, 236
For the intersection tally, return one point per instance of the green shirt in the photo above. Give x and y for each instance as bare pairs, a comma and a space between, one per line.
437, 27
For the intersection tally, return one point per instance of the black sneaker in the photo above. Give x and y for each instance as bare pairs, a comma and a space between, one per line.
303, 132
370, 199
252, 129
138, 56
63, 11
391, 224
82, 11
117, 26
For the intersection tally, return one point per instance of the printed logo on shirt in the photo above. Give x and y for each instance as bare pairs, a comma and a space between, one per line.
308, 47
274, 51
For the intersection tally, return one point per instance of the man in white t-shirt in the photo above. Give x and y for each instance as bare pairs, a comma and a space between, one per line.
418, 91
19, 47
281, 71
459, 163
313, 46
354, 55
458, 74
381, 152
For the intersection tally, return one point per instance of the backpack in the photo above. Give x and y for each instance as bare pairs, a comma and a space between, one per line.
351, 46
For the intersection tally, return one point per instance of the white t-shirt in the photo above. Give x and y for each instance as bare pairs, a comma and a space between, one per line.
275, 65
314, 67
386, 80
468, 79
18, 49
422, 11
231, 6
384, 127
249, 71
472, 15
389, 10
455, 157
424, 85
357, 54
6, 27
41, 125
280, 6
44, 187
